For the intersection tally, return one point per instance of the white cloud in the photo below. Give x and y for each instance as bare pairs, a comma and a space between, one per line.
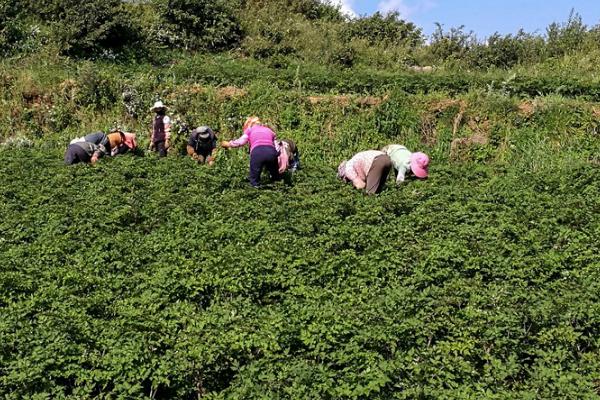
387, 6
345, 7
405, 10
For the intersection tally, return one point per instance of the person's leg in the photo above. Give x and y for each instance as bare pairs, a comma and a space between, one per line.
75, 154
295, 162
256, 164
378, 174
70, 155
384, 173
160, 147
272, 163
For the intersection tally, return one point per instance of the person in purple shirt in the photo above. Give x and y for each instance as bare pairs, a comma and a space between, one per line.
263, 153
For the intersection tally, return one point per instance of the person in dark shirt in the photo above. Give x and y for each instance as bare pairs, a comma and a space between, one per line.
161, 129
89, 148
202, 145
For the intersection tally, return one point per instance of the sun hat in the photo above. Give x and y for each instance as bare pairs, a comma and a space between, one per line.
418, 164
342, 170
202, 132
251, 121
129, 140
158, 106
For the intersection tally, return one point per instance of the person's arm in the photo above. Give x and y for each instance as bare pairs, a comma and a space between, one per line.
100, 151
210, 160
239, 142
167, 124
191, 152
359, 183
352, 176
213, 154
152, 138
401, 176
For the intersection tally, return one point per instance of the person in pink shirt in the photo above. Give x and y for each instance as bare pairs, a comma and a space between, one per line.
366, 170
263, 153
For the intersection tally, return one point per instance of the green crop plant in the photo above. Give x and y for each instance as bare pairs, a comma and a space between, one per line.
142, 277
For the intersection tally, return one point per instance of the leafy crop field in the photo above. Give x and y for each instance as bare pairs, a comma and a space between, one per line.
147, 278
156, 278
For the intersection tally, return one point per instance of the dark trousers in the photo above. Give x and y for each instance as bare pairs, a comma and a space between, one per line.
161, 148
378, 174
76, 154
263, 156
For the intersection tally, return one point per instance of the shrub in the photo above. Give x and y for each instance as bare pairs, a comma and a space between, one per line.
205, 24
89, 28
563, 38
454, 44
310, 9
11, 30
507, 51
271, 33
315, 9
388, 29
95, 89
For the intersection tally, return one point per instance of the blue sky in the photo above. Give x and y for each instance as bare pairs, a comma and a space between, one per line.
484, 17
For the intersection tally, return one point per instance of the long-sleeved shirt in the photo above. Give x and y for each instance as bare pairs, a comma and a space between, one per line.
92, 149
112, 142
400, 156
98, 138
257, 135
100, 141
358, 166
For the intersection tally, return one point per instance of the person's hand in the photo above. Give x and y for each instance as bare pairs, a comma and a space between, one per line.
225, 144
167, 144
94, 159
210, 161
359, 184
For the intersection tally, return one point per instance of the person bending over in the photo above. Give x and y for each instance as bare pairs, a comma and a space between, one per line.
202, 145
90, 148
262, 149
407, 163
367, 170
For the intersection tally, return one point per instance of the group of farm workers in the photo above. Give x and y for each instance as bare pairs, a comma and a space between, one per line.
366, 170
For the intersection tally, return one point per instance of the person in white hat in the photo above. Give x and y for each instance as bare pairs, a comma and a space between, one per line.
161, 129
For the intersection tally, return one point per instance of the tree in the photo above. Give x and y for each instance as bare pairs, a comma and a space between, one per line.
10, 26
453, 44
86, 28
204, 24
563, 38
390, 29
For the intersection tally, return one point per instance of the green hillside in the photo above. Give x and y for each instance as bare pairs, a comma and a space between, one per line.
142, 277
